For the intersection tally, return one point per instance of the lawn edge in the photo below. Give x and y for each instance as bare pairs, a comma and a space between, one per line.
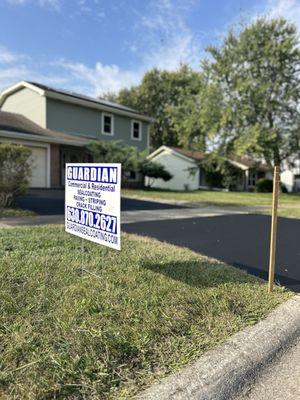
224, 372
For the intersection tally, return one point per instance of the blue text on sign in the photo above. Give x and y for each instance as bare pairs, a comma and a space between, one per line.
93, 174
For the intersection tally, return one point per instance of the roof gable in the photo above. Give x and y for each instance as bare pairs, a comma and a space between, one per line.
75, 98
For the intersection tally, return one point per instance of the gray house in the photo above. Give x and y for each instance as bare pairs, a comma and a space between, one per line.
81, 118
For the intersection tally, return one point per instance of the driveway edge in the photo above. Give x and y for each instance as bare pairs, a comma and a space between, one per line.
222, 373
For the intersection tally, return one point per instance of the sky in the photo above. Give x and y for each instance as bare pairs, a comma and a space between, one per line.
99, 46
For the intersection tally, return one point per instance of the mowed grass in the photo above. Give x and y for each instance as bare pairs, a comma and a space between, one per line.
216, 197
15, 212
153, 307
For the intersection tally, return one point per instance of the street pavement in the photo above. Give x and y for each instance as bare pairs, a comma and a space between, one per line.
280, 381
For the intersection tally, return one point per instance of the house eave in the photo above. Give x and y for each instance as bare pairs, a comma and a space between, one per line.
168, 150
97, 106
39, 138
73, 100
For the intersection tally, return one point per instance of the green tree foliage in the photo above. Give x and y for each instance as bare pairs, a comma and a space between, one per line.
264, 186
196, 117
130, 158
159, 95
15, 171
257, 71
219, 172
154, 170
116, 152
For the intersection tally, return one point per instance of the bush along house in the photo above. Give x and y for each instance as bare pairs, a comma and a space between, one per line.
57, 125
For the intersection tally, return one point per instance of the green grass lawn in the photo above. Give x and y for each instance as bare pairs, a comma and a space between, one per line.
15, 212
289, 204
154, 307
215, 197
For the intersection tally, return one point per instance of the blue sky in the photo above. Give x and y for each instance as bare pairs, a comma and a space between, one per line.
95, 46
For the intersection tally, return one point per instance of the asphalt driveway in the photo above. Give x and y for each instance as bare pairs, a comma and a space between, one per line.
51, 202
239, 240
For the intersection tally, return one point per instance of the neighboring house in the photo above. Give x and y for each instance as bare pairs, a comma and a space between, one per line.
290, 176
80, 117
187, 175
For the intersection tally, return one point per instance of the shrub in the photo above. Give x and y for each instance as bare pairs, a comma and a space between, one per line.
283, 188
219, 172
15, 171
154, 170
130, 158
264, 186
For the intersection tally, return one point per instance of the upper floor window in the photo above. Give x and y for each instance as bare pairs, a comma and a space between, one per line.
107, 124
136, 130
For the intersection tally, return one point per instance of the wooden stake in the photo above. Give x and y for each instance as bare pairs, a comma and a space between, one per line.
276, 180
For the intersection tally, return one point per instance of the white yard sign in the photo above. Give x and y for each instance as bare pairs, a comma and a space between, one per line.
93, 202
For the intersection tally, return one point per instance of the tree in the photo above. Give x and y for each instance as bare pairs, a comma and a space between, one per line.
154, 170
197, 115
130, 158
258, 73
116, 152
159, 93
15, 171
220, 172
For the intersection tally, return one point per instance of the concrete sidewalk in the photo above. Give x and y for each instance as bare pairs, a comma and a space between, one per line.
128, 217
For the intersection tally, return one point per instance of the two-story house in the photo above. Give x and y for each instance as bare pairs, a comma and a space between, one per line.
57, 124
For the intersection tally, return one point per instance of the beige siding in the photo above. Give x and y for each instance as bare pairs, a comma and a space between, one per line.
28, 103
179, 167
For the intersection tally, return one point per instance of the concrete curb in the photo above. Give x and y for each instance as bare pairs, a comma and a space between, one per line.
222, 373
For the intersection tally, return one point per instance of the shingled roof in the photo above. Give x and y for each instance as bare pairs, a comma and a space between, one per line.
199, 155
12, 122
83, 97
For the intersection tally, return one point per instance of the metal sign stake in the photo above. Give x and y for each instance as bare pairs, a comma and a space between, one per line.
82, 255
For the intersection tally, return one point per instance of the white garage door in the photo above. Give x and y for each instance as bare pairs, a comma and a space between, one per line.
39, 167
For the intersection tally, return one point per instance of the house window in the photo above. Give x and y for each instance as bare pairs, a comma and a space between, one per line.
252, 178
136, 130
132, 175
107, 124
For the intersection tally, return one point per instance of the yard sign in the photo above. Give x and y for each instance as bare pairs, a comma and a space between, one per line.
92, 202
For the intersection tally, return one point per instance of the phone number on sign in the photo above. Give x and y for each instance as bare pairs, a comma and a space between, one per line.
103, 222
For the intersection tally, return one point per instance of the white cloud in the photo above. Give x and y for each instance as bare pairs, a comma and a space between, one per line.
54, 4
168, 39
289, 9
7, 56
164, 40
100, 78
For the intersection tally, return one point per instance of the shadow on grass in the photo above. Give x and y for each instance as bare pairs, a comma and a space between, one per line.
200, 274
211, 275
